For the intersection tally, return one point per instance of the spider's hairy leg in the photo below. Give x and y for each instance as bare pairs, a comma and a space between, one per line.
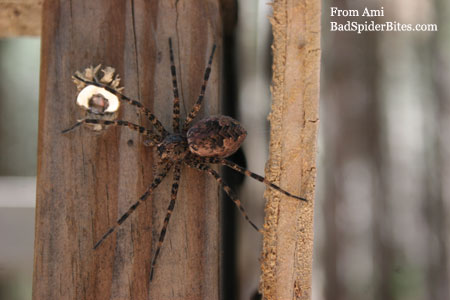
132, 126
173, 197
176, 98
240, 169
156, 181
155, 122
198, 103
201, 166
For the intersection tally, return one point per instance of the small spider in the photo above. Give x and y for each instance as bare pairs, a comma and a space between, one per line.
209, 141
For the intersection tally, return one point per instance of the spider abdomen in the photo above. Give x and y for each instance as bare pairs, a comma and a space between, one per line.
216, 136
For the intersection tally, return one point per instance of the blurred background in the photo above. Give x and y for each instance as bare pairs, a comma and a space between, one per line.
19, 85
382, 197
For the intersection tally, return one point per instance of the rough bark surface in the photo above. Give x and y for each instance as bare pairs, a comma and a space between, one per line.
288, 236
86, 180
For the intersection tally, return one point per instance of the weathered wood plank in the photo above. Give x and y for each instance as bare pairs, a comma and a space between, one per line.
20, 18
86, 180
288, 237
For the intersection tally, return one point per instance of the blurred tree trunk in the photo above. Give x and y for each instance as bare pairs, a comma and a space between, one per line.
354, 162
437, 199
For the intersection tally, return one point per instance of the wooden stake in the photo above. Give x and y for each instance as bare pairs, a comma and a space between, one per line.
288, 238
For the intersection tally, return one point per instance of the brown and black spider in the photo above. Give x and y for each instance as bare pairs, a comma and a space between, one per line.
209, 141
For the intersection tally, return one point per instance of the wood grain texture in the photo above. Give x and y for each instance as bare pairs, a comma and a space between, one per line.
20, 18
288, 236
86, 180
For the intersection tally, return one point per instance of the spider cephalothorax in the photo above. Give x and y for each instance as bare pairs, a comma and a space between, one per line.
173, 148
209, 141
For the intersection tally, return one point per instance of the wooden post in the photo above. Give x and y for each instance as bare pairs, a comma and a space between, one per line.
288, 237
86, 180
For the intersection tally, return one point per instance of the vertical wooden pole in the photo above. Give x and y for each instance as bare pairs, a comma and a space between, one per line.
86, 179
288, 236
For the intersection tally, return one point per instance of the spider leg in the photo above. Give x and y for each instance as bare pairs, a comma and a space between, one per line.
132, 126
240, 169
155, 122
198, 104
133, 207
203, 167
173, 197
176, 98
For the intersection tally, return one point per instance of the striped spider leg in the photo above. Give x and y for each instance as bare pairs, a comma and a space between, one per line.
201, 164
156, 181
238, 168
198, 164
176, 97
173, 198
198, 103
